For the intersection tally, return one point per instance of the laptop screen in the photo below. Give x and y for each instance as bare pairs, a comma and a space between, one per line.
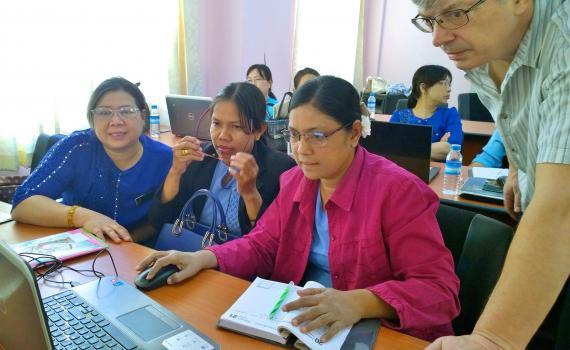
189, 115
22, 318
407, 145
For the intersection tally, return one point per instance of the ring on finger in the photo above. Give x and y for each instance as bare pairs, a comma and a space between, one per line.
185, 152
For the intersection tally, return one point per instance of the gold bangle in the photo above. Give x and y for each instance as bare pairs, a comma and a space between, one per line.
70, 214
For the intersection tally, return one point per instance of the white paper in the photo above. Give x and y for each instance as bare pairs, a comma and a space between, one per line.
489, 173
312, 339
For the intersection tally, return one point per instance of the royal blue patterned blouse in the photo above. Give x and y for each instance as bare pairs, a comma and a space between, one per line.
78, 170
441, 121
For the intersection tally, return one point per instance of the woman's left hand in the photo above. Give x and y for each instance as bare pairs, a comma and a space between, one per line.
325, 307
244, 169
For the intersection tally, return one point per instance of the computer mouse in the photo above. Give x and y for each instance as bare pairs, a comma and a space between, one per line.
158, 280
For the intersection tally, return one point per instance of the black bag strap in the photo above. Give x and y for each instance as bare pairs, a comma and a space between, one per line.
187, 218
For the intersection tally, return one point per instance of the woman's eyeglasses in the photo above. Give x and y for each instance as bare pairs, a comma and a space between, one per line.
106, 113
313, 138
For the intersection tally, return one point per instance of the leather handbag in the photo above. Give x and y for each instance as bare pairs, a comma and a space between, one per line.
187, 234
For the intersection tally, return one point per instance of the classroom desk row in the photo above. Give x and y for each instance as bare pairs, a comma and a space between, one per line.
475, 136
200, 300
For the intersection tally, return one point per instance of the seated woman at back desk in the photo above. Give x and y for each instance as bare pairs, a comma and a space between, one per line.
301, 77
241, 171
353, 221
260, 76
106, 175
431, 87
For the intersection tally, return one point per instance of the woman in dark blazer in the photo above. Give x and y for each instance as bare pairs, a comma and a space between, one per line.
237, 167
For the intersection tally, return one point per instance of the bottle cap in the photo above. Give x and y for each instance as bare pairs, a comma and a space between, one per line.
455, 147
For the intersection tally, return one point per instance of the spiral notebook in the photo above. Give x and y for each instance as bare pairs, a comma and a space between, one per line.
64, 246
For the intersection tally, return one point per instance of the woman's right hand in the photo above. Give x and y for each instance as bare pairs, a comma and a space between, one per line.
189, 264
185, 151
101, 225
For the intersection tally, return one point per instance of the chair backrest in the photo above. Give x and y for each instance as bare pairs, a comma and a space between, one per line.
471, 108
402, 104
479, 246
43, 144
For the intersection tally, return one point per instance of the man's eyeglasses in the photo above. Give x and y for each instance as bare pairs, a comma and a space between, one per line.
107, 113
313, 138
448, 20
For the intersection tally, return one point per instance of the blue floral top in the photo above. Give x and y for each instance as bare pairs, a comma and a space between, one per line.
78, 169
442, 120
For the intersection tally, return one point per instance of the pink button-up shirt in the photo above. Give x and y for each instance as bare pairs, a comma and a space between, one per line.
383, 237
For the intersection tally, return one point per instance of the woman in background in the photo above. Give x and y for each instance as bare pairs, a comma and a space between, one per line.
351, 220
241, 171
105, 175
260, 76
300, 78
431, 88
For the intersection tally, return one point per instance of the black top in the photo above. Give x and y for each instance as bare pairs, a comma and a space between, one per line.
199, 175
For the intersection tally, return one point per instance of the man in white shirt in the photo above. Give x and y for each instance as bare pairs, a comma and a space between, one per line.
515, 53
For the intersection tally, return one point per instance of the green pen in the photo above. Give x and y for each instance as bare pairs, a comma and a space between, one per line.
281, 300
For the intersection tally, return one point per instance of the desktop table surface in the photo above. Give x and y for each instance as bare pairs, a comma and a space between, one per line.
200, 301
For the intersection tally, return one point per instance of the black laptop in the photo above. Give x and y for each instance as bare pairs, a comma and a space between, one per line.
189, 115
407, 145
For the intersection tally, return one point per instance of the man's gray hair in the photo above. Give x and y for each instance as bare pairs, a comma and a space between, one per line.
425, 4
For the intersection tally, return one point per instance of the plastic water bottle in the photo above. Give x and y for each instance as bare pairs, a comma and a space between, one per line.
371, 104
154, 122
452, 174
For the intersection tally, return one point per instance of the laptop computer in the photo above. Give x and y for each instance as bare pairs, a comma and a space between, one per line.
103, 314
189, 115
479, 188
407, 145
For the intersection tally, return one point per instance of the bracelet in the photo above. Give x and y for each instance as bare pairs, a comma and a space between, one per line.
70, 214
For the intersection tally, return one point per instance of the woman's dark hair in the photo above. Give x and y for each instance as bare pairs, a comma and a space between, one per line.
331, 95
250, 103
265, 73
300, 74
117, 84
428, 75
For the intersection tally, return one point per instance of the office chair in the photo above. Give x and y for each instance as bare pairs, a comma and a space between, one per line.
401, 104
479, 247
43, 144
471, 108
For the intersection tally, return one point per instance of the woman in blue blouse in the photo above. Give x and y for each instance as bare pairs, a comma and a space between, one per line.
105, 175
260, 76
431, 87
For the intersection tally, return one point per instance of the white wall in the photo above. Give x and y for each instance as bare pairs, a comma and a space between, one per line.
403, 49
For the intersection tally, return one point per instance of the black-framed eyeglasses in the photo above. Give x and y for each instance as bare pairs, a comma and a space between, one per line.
448, 20
313, 138
127, 112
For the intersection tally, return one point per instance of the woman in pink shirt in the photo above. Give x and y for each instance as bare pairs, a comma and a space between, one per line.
354, 221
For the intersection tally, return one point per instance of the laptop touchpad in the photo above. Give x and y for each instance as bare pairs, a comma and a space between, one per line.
148, 323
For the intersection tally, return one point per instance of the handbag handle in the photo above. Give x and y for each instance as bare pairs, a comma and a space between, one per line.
188, 218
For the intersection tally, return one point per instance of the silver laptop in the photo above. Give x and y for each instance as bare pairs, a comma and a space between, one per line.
103, 314
479, 188
189, 115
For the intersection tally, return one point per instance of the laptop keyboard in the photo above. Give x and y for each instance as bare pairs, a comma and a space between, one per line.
74, 324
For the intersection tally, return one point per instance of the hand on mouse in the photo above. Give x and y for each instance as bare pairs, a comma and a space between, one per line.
189, 264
